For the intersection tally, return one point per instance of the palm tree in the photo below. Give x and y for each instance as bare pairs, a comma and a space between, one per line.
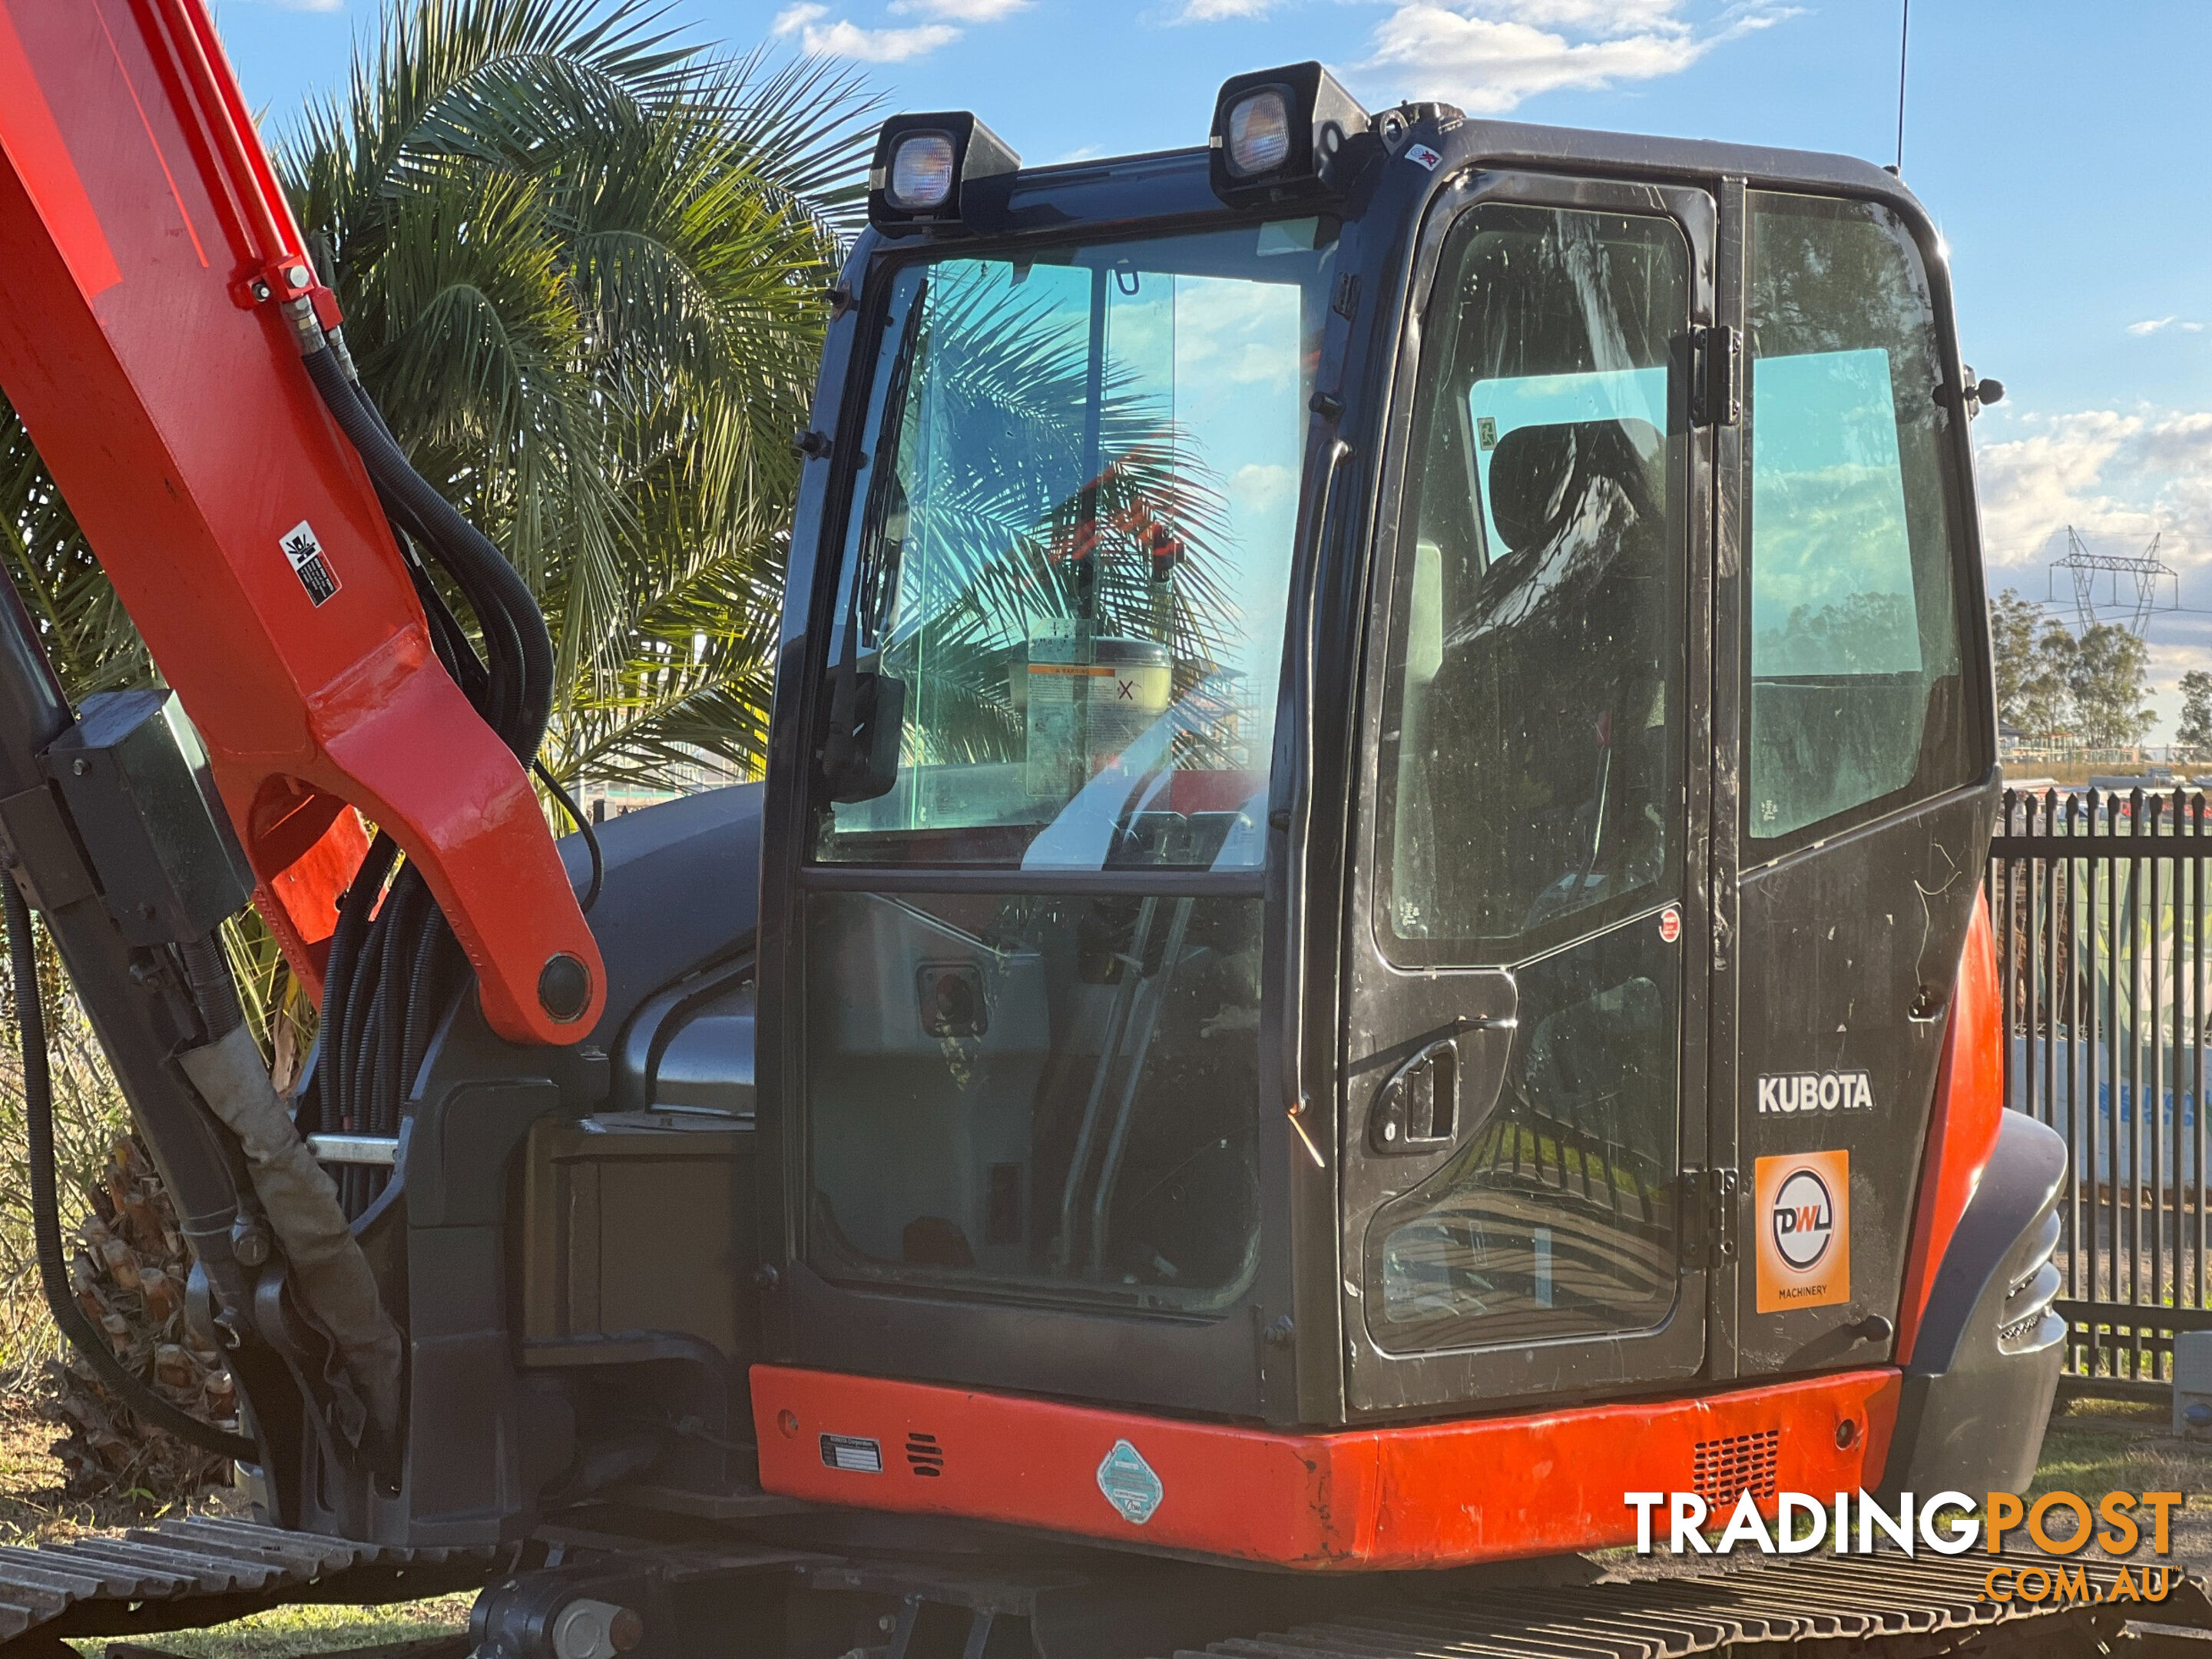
582, 264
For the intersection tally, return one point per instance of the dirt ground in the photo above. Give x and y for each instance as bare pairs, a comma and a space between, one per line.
2093, 1447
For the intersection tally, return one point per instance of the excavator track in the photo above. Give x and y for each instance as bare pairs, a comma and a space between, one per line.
194, 1573
205, 1571
1887, 1607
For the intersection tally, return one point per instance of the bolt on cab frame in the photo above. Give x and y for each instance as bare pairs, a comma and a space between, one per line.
1380, 772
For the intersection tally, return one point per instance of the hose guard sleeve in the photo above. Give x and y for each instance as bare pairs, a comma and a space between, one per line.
332, 1275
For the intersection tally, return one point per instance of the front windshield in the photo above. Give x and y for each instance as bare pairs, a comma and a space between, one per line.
1069, 550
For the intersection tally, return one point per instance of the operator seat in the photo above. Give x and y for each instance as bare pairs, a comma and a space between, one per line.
1548, 697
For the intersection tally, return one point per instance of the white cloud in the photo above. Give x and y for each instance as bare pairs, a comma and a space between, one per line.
1255, 489
1215, 11
1489, 54
963, 11
2155, 325
840, 38
303, 5
2119, 479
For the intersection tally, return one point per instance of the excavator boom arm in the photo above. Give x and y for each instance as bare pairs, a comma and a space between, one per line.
155, 304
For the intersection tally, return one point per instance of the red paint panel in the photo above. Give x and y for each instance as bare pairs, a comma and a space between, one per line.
1963, 1125
1432, 1495
32, 145
176, 419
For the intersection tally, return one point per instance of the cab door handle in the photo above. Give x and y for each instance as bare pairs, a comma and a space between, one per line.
1419, 1106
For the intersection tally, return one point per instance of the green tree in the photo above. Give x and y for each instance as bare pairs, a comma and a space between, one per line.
2043, 702
2105, 687
2194, 727
2013, 627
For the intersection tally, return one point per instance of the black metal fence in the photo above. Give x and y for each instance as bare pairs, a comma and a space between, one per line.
2100, 905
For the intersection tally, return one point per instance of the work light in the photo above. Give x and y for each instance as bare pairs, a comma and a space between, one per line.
1280, 135
1259, 133
927, 169
922, 171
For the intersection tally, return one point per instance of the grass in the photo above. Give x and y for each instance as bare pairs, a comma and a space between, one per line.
2105, 1445
288, 1630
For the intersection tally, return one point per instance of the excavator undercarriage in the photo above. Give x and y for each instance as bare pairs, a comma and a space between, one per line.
978, 1598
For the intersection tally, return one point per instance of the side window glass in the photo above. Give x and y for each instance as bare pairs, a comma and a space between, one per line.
1855, 693
1530, 750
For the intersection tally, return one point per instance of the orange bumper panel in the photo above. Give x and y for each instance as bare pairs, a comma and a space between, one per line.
1430, 1495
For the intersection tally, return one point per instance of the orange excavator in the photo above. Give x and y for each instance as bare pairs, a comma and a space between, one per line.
1361, 939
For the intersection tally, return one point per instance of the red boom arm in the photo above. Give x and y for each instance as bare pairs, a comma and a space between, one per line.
146, 254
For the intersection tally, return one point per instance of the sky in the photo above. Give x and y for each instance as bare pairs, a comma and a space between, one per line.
2059, 149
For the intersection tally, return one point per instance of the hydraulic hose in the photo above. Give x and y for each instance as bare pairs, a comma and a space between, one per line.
477, 565
215, 993
86, 1337
383, 973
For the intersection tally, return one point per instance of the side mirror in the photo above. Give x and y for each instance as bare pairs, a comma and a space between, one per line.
867, 720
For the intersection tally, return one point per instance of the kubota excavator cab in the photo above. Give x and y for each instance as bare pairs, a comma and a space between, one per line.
1382, 754
1363, 931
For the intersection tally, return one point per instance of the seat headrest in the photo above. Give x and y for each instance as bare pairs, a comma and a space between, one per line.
1537, 473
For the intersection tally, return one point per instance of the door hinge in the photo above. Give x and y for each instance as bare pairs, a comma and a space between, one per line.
1709, 1205
1716, 376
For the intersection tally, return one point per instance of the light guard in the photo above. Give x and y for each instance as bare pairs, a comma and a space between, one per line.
1280, 134
927, 169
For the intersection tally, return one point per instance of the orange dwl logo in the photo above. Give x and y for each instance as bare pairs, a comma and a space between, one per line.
1802, 1212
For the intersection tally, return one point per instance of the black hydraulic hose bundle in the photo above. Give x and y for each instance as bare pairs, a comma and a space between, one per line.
390, 960
46, 1205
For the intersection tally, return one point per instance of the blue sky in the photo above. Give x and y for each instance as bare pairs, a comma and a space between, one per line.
2061, 149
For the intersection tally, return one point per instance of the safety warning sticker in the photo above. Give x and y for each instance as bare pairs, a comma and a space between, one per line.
1129, 1484
303, 551
1802, 1210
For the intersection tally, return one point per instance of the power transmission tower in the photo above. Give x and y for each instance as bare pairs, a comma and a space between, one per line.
2149, 574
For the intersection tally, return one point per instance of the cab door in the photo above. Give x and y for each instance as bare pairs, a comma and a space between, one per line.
1523, 1061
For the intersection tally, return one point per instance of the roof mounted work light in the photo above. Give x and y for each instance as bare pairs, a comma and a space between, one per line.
1280, 135
927, 167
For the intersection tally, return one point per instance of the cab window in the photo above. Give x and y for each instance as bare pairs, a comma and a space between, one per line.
1856, 700
1069, 561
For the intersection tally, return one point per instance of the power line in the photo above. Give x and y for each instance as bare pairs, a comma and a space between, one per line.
2149, 573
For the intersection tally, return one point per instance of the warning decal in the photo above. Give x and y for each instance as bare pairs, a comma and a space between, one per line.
303, 551
1802, 1208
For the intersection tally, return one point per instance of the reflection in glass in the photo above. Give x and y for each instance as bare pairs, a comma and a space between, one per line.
1070, 549
1532, 808
1855, 682
1558, 1216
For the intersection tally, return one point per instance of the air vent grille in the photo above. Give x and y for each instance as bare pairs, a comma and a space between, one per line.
1722, 1471
924, 1455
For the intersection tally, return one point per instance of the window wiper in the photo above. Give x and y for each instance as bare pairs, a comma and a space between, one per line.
867, 707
